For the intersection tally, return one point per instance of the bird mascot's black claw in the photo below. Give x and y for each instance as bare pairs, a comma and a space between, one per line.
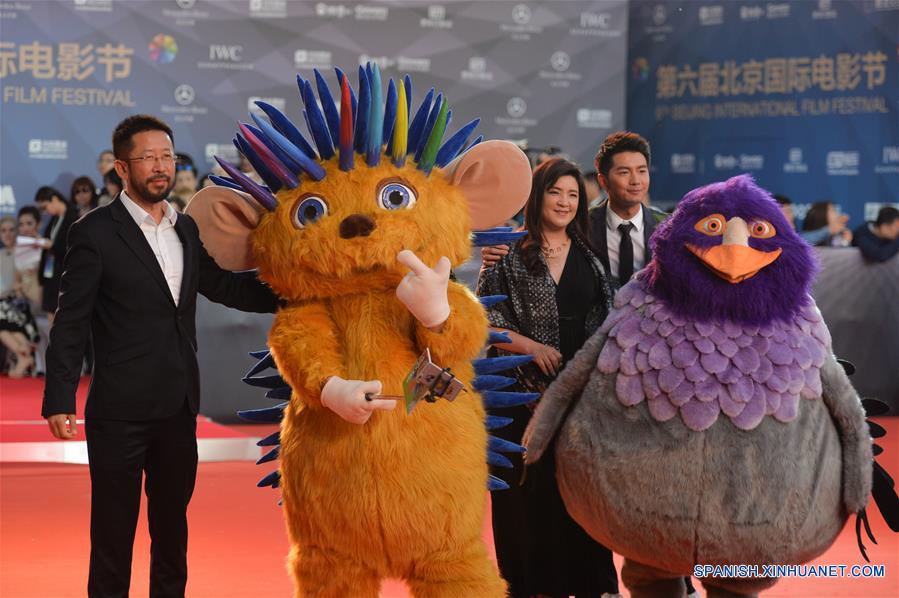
707, 422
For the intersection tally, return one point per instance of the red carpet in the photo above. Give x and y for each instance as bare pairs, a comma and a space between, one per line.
238, 543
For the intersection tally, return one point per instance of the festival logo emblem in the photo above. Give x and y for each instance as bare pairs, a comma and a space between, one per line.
163, 49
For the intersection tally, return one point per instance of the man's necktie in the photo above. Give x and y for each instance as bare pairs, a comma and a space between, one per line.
625, 253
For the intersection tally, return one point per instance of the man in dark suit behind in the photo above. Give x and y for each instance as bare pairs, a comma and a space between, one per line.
621, 226
131, 278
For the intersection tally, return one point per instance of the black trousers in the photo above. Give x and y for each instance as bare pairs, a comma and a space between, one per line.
120, 453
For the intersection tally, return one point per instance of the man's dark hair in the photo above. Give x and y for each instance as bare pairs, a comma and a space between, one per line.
782, 200
185, 162
47, 193
621, 141
31, 211
126, 130
887, 215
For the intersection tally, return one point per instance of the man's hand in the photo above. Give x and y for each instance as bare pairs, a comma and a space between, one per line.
492, 254
347, 399
423, 290
548, 359
63, 425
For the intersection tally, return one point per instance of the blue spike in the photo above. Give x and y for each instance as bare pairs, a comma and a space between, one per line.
496, 460
266, 361
407, 81
260, 353
262, 195
389, 111
493, 422
300, 83
479, 139
496, 338
375, 133
429, 124
418, 122
272, 455
499, 399
493, 484
452, 147
286, 160
273, 182
223, 181
317, 125
274, 439
273, 479
490, 238
271, 415
492, 382
328, 105
282, 393
492, 365
500, 445
360, 133
287, 128
498, 229
274, 381
488, 300
304, 162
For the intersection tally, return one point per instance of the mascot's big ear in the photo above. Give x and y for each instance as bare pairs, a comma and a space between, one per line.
226, 219
495, 177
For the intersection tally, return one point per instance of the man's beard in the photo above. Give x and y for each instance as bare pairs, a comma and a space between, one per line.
143, 190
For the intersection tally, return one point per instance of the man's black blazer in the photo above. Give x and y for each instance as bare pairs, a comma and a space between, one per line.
599, 239
145, 365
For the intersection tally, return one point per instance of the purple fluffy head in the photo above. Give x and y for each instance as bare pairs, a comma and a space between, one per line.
676, 275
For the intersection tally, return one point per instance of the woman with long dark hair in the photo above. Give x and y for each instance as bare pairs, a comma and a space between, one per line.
557, 297
84, 195
62, 215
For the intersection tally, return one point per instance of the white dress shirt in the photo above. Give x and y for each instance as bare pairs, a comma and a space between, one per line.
613, 239
163, 240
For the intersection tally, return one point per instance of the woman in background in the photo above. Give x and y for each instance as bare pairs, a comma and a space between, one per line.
84, 195
18, 331
824, 215
62, 215
557, 297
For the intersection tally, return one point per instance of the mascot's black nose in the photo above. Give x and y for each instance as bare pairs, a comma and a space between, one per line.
356, 225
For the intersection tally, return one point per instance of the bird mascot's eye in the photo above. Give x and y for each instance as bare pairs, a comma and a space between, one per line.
393, 196
308, 210
762, 229
712, 226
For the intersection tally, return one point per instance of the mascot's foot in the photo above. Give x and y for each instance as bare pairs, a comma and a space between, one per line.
466, 572
324, 573
729, 587
643, 581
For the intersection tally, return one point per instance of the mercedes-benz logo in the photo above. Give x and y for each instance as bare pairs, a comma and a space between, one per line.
186, 4
560, 61
521, 14
184, 94
516, 107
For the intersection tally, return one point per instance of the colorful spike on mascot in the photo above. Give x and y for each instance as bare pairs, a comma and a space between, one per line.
369, 491
708, 421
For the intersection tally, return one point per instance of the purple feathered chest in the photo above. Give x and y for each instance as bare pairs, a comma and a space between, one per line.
700, 369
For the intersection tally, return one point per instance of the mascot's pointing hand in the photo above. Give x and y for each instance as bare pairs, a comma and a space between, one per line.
423, 290
347, 398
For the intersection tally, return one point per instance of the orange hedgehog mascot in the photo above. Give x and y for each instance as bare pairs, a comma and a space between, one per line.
358, 236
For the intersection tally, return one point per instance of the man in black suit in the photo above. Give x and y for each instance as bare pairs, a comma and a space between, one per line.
131, 278
621, 226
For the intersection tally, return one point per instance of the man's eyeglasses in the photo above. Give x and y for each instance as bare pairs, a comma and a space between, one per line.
151, 159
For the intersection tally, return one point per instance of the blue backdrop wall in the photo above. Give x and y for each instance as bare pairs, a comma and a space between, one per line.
802, 95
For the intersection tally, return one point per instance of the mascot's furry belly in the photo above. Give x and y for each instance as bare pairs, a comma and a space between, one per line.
400, 474
770, 495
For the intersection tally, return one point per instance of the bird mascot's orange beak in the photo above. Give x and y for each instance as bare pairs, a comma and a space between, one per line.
734, 260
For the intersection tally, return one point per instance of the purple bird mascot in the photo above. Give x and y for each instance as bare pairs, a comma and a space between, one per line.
708, 421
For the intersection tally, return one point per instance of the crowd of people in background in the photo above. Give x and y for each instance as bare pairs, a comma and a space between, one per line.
34, 242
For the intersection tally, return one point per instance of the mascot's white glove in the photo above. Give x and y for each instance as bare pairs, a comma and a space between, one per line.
423, 290
347, 399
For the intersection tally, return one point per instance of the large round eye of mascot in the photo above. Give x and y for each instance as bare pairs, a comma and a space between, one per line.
357, 236
707, 421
